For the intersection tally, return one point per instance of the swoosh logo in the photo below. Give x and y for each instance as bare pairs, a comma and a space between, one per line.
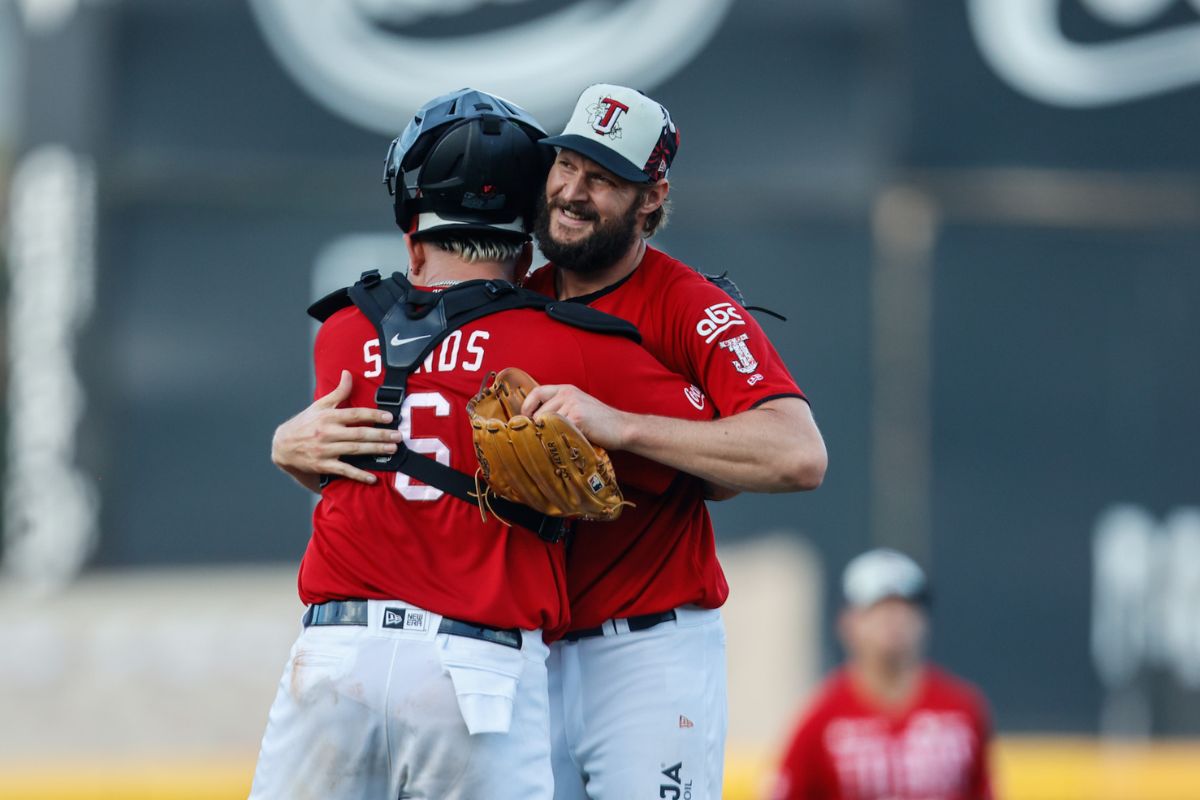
397, 341
1023, 42
356, 59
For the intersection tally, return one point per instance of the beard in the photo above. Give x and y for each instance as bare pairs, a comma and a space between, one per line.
602, 248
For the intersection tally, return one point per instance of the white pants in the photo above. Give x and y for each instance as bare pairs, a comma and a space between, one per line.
641, 714
375, 712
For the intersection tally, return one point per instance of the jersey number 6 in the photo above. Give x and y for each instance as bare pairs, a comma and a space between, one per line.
423, 444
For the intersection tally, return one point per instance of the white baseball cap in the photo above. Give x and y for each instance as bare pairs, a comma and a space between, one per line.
879, 574
623, 131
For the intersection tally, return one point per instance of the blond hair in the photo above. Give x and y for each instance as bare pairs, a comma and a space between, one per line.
473, 247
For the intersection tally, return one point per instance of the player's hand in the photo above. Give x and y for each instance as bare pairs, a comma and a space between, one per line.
600, 423
311, 442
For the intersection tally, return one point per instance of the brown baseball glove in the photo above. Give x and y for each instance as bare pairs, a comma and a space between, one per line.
545, 463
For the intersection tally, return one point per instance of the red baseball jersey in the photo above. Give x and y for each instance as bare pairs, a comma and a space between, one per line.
661, 554
847, 749
401, 539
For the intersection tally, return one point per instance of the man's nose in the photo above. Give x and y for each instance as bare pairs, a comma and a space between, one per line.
573, 190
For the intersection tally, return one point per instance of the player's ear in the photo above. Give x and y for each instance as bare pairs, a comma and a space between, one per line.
655, 194
416, 256
523, 262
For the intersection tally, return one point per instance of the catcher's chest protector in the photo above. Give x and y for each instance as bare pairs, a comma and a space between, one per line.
411, 324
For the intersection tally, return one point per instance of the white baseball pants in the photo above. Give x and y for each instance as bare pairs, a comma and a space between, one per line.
642, 713
375, 712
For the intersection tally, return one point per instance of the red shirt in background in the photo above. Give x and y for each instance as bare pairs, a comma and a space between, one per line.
846, 749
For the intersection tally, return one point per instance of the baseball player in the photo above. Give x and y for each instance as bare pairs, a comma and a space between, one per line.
638, 696
421, 667
644, 601
887, 725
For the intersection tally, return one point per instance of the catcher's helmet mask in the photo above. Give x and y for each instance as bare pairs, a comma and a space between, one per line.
468, 161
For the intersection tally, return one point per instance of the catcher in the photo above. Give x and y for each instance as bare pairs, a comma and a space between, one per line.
421, 667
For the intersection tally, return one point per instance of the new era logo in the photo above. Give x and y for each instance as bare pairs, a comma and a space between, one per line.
405, 619
684, 722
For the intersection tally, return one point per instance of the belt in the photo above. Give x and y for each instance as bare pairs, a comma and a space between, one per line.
643, 622
354, 612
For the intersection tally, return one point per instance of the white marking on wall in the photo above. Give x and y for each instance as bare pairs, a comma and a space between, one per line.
1023, 41
1145, 596
50, 510
354, 58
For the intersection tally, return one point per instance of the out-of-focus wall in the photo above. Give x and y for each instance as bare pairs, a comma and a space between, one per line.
10, 76
990, 287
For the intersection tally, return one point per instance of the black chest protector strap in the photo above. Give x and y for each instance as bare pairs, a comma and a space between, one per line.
411, 323
724, 282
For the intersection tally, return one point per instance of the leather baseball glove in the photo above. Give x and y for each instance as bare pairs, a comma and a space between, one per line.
545, 463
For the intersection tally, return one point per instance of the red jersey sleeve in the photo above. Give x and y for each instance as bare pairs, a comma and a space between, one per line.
620, 373
803, 773
733, 360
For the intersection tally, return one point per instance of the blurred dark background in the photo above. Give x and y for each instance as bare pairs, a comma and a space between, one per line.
992, 297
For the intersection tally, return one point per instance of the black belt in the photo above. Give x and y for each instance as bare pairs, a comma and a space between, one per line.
354, 612
639, 623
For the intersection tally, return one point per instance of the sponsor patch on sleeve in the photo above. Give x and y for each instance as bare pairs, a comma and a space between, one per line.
717, 319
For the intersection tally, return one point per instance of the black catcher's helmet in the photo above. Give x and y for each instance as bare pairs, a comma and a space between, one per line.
468, 160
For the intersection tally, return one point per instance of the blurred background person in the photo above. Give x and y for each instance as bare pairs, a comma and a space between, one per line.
888, 725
